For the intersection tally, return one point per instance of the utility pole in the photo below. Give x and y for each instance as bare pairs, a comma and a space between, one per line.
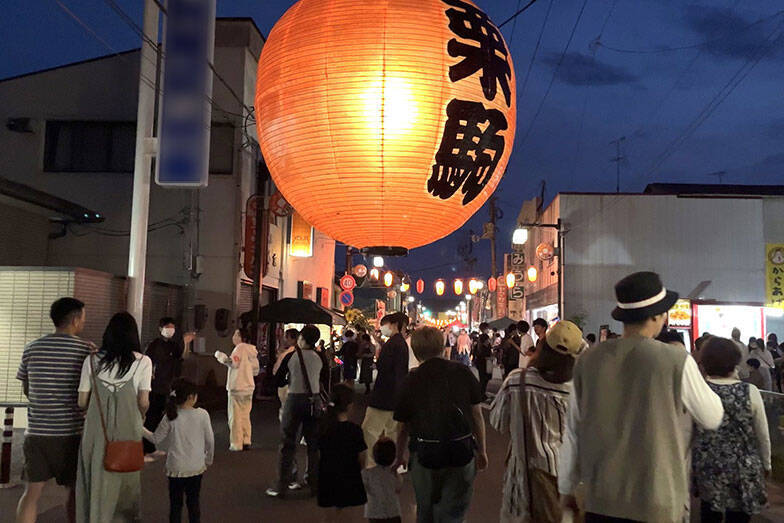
493, 257
349, 259
618, 159
142, 167
493, 217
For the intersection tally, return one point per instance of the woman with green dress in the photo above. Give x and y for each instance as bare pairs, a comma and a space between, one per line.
122, 377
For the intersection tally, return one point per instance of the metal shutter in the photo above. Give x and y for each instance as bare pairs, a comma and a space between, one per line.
25, 298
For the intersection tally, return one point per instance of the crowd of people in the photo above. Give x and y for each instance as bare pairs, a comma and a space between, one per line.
627, 429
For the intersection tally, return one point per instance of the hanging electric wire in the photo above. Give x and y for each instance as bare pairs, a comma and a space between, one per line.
552, 79
705, 43
517, 13
775, 37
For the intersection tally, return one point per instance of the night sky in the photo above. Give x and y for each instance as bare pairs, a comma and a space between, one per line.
696, 89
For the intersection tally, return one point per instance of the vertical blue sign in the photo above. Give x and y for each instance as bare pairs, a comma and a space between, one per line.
185, 113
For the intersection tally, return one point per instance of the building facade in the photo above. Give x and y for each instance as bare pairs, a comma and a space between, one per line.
69, 132
707, 242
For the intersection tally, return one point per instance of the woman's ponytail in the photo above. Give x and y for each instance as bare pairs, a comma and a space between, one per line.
181, 390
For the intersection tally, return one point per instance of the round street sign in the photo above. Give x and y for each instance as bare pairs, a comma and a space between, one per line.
347, 282
360, 271
346, 298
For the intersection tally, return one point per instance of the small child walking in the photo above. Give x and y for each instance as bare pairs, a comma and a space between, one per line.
382, 485
342, 447
186, 433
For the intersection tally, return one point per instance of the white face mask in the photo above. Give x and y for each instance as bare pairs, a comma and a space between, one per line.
167, 332
386, 331
301, 343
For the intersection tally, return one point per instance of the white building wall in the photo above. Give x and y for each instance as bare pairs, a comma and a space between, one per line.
686, 240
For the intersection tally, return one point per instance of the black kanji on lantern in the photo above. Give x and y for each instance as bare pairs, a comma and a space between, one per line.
469, 152
491, 56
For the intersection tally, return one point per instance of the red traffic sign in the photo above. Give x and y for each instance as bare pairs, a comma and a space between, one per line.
347, 282
360, 271
346, 298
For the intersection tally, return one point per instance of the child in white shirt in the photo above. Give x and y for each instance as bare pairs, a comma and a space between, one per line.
243, 365
186, 433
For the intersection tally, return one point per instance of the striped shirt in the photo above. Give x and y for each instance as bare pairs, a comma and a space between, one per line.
547, 405
52, 366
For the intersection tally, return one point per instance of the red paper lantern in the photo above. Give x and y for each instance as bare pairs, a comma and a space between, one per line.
389, 278
410, 101
492, 284
459, 287
420, 286
510, 280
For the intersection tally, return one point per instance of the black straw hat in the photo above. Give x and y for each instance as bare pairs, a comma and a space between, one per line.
640, 296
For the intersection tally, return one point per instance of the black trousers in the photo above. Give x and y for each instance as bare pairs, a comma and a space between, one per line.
154, 417
709, 516
188, 488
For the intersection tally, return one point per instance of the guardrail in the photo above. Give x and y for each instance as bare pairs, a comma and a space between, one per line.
774, 410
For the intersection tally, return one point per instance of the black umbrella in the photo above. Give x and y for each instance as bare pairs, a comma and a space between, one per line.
297, 310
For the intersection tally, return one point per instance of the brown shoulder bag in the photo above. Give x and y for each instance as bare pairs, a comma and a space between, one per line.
119, 456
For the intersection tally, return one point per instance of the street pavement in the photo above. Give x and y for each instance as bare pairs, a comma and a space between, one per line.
233, 488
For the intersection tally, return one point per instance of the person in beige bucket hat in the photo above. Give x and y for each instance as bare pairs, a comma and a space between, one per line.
532, 406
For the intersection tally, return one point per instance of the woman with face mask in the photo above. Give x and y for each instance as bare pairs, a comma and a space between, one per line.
392, 367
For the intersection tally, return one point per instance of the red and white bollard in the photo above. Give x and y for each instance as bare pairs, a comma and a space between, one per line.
5, 454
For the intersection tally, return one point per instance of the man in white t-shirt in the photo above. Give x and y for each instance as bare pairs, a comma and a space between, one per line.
526, 343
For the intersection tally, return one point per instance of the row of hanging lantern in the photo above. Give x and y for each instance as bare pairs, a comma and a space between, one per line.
474, 285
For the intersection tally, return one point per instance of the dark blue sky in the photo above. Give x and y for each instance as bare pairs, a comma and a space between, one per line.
634, 69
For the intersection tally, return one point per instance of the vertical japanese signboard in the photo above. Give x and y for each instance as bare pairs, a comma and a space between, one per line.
301, 241
183, 158
774, 275
501, 296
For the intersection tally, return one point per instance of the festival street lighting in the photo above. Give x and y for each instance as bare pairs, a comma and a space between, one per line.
378, 261
520, 236
510, 280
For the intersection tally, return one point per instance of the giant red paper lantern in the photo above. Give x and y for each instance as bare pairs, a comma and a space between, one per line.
386, 123
492, 284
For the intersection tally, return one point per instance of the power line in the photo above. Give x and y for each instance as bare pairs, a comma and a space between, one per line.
555, 72
685, 47
514, 25
588, 91
722, 95
536, 50
138, 30
517, 13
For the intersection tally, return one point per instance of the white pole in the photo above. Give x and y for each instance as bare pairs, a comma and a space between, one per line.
145, 117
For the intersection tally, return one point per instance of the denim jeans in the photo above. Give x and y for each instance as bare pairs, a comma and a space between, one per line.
442, 495
296, 418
